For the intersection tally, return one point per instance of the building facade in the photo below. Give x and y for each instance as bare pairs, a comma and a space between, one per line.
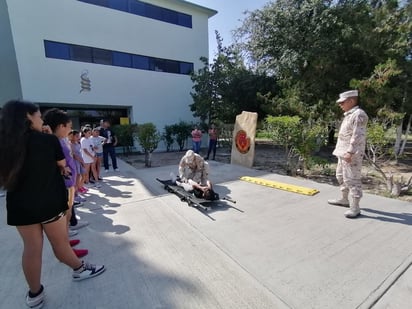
117, 59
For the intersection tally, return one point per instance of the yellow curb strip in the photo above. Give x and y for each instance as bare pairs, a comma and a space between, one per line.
280, 185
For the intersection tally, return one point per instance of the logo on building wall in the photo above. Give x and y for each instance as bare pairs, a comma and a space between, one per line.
242, 142
85, 83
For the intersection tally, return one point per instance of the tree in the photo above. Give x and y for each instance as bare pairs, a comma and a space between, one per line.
378, 150
226, 87
167, 136
149, 139
299, 42
205, 96
382, 96
181, 132
126, 135
315, 47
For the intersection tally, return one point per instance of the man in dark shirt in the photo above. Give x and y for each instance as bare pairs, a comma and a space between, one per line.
108, 146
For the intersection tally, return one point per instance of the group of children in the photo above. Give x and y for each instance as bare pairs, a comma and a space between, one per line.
87, 149
83, 151
42, 173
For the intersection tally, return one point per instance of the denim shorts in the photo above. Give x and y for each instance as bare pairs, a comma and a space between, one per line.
99, 154
79, 168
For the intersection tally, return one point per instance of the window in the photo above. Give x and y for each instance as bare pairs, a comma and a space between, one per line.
172, 66
158, 65
170, 16
146, 10
122, 59
184, 20
186, 68
138, 8
96, 2
154, 12
102, 56
57, 50
140, 62
81, 53
121, 5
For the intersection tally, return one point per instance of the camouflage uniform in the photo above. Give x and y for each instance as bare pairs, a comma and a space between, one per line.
351, 139
193, 166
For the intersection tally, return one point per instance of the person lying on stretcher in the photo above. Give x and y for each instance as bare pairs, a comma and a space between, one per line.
200, 191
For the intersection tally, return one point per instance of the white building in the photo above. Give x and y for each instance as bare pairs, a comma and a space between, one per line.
103, 58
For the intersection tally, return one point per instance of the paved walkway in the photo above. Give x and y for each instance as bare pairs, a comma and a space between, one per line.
275, 249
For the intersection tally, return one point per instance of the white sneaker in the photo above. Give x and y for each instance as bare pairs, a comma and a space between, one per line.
35, 302
77, 203
79, 225
87, 271
116, 170
106, 171
97, 185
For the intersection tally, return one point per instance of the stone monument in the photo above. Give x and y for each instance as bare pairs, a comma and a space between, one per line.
243, 145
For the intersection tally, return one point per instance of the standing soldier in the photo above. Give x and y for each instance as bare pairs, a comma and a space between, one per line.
350, 149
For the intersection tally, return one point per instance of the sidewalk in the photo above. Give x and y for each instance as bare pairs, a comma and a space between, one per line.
275, 249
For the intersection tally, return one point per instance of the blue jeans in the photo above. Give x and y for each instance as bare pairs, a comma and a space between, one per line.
109, 150
212, 147
196, 147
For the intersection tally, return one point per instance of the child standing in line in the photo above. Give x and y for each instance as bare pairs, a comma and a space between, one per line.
98, 142
89, 156
60, 124
36, 195
74, 137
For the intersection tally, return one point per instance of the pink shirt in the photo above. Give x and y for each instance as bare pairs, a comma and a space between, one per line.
213, 134
197, 135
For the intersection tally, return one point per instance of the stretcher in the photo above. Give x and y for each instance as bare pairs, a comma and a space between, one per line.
190, 198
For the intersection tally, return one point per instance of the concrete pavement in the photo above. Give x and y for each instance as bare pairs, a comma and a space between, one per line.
275, 249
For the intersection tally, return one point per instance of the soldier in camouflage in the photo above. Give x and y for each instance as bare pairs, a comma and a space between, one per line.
349, 150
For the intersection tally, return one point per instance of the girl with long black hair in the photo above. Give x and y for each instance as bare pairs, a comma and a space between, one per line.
32, 166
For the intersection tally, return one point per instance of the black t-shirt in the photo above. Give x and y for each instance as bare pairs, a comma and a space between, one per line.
109, 135
40, 193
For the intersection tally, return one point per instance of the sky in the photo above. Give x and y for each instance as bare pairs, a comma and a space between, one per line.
229, 17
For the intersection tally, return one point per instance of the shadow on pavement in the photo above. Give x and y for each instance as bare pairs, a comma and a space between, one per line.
385, 216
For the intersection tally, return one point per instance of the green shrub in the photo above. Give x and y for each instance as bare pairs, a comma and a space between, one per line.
149, 139
376, 141
126, 134
299, 138
226, 134
181, 132
168, 136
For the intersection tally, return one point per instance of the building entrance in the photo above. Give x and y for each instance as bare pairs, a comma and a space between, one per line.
81, 116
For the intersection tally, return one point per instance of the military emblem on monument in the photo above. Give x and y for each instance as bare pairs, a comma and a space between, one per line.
242, 142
